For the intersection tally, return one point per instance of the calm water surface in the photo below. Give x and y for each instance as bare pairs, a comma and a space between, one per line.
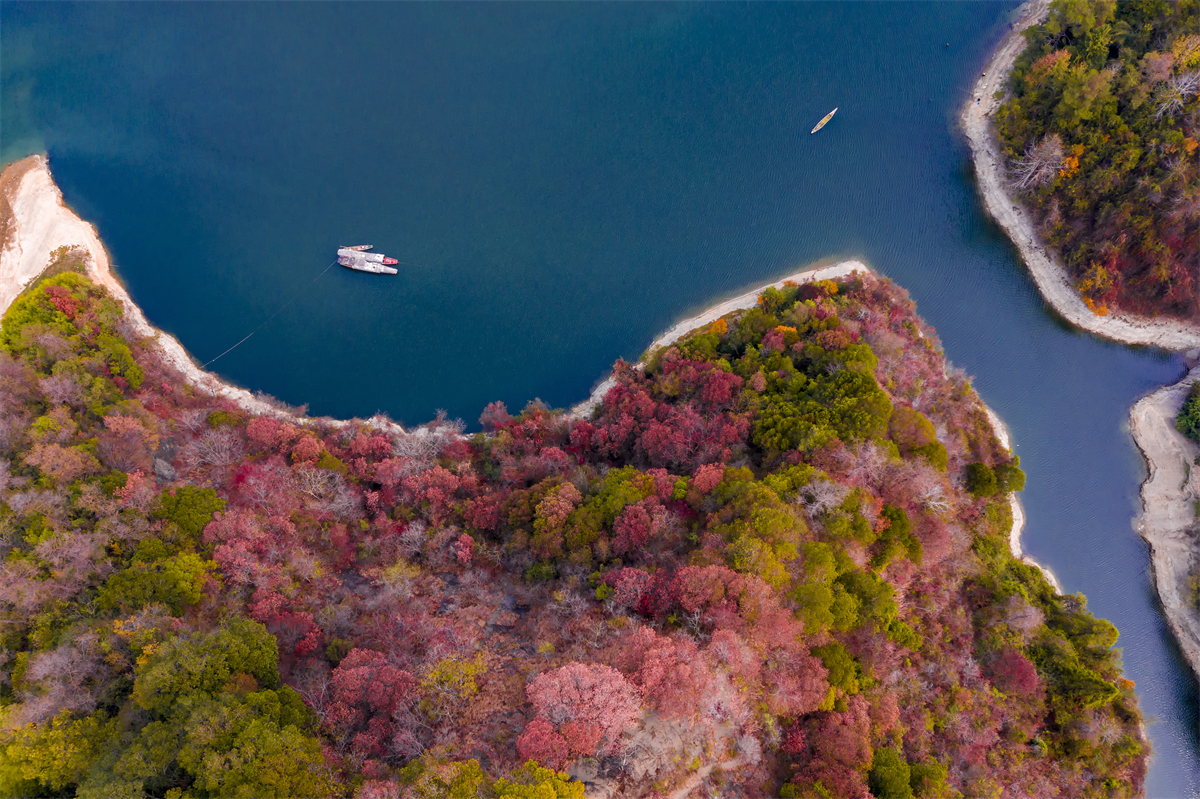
564, 182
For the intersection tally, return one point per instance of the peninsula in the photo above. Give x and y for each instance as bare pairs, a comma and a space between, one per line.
774, 556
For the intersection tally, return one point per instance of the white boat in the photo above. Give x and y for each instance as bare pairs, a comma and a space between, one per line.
376, 263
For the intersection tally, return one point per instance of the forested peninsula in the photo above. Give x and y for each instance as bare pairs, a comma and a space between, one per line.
1100, 132
774, 558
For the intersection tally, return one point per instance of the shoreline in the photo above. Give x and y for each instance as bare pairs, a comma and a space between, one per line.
1048, 274
38, 222
712, 313
1168, 520
1018, 510
749, 299
1161, 504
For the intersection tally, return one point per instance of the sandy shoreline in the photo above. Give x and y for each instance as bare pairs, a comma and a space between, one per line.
1164, 503
1018, 511
709, 315
1168, 520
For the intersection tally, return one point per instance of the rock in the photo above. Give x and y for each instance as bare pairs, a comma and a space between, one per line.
163, 470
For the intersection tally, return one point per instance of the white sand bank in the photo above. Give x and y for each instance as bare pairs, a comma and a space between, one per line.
1168, 520
1018, 511
748, 300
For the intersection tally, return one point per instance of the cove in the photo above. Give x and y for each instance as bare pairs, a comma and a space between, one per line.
565, 182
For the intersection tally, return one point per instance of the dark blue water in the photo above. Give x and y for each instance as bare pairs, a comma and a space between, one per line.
565, 181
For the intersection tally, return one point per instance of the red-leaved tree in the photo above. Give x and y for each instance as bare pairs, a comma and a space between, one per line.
585, 709
366, 693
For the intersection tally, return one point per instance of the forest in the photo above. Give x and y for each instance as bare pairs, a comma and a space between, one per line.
1101, 133
773, 562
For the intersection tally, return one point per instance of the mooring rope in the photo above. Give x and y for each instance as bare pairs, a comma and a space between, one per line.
281, 309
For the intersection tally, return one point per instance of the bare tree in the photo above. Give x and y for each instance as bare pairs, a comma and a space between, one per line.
320, 484
193, 420
820, 497
1174, 94
569, 604
413, 539
1040, 164
219, 448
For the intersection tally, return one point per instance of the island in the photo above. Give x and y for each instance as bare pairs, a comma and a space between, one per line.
772, 557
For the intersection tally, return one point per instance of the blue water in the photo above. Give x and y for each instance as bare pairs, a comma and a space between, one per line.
564, 182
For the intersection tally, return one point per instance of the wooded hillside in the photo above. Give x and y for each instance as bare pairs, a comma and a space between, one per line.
775, 561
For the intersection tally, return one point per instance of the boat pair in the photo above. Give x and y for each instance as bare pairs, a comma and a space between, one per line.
358, 259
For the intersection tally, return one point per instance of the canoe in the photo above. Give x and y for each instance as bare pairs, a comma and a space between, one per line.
824, 121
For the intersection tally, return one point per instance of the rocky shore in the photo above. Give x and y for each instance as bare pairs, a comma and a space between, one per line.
1166, 503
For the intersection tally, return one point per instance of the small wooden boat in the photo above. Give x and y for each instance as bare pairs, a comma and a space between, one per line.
824, 121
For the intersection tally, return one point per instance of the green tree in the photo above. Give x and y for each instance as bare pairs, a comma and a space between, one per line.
928, 779
532, 781
897, 540
34, 308
1078, 17
55, 756
119, 359
981, 480
190, 507
1010, 476
204, 662
256, 759
843, 669
176, 582
914, 435
889, 776
1188, 420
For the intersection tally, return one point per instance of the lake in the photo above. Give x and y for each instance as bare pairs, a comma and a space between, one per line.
563, 182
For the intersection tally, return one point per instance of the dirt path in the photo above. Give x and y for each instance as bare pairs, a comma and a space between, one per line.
1049, 275
1168, 520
